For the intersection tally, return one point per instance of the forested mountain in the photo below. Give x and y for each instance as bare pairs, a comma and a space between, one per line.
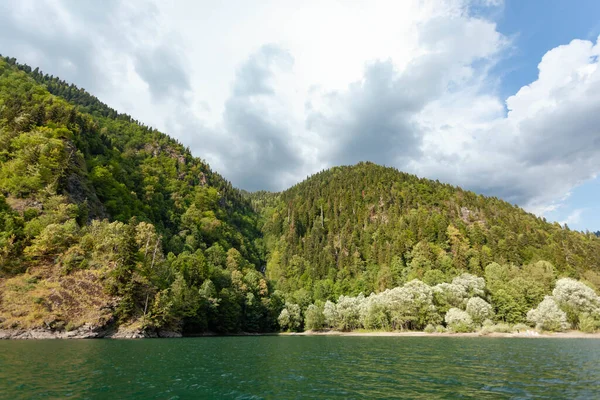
366, 228
102, 218
108, 224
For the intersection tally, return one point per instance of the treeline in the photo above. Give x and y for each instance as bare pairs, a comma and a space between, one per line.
367, 228
106, 221
513, 300
175, 245
73, 94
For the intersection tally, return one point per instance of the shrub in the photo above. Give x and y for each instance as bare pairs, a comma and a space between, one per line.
429, 329
330, 314
520, 328
290, 317
589, 323
458, 320
479, 309
314, 318
473, 285
575, 298
548, 316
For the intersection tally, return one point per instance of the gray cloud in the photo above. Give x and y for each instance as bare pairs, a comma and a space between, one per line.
429, 114
371, 121
261, 139
44, 42
253, 77
548, 143
375, 118
163, 71
253, 148
89, 42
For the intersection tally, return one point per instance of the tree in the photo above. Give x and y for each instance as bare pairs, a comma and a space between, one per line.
575, 298
290, 317
314, 318
458, 320
479, 309
331, 315
548, 316
348, 312
473, 285
449, 295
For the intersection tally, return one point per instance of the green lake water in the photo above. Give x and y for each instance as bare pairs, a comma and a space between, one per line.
296, 367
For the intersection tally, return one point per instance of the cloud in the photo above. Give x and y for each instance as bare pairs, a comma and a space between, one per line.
257, 145
161, 68
376, 118
94, 44
254, 76
253, 145
573, 218
547, 143
269, 93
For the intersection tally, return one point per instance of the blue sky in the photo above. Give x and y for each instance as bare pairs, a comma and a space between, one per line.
540, 25
537, 26
498, 97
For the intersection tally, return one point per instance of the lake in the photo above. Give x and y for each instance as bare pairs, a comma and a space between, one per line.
295, 367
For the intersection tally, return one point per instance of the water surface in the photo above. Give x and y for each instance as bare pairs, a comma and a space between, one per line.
297, 367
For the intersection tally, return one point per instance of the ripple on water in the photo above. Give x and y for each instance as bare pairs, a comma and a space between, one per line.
302, 367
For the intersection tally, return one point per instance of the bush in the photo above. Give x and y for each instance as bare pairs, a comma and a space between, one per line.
575, 298
290, 317
589, 323
314, 318
502, 328
330, 314
461, 328
498, 328
547, 316
458, 320
479, 309
429, 329
520, 328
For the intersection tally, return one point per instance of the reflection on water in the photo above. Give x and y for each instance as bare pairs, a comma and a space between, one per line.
301, 367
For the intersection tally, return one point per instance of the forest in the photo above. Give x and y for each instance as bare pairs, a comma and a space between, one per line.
104, 220
107, 222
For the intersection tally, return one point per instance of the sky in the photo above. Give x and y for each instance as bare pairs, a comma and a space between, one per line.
499, 97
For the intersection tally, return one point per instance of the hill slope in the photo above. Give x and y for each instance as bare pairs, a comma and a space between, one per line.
107, 221
108, 224
365, 228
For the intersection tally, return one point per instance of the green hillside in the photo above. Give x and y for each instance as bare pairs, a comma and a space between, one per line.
366, 228
100, 212
108, 224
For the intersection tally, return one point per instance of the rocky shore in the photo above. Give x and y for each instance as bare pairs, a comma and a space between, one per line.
85, 332
90, 332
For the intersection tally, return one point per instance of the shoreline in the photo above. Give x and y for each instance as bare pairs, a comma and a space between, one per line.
40, 334
527, 334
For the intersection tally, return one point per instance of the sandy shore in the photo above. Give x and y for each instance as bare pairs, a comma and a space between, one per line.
528, 334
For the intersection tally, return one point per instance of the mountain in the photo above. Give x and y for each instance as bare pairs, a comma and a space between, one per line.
108, 226
366, 228
106, 221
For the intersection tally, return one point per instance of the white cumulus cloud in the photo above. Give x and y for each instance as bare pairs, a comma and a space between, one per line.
269, 92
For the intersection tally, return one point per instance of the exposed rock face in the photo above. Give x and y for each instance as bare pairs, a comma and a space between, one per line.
169, 334
83, 332
131, 334
86, 332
